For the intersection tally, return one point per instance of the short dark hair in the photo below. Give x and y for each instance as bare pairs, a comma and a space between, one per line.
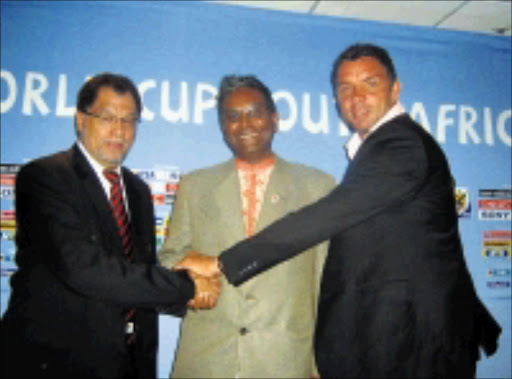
230, 83
360, 50
120, 84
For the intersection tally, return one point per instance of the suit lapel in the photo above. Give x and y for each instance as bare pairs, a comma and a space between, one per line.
96, 197
132, 198
384, 130
223, 204
137, 216
278, 195
227, 202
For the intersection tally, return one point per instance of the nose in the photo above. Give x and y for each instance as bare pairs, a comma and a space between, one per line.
117, 128
358, 93
245, 120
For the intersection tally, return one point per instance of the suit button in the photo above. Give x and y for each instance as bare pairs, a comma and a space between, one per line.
244, 331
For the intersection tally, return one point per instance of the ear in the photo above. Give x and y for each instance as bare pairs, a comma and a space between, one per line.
275, 121
79, 121
395, 92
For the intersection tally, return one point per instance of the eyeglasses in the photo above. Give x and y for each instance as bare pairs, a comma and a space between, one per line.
109, 120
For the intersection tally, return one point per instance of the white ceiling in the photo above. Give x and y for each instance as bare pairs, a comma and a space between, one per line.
492, 17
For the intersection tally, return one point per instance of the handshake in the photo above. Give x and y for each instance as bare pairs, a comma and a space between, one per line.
204, 270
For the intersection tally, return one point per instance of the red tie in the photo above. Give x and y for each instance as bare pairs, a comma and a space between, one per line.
123, 226
119, 212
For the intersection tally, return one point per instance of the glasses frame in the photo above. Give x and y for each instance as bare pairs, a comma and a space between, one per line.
112, 120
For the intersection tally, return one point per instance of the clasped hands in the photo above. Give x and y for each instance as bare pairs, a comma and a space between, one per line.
204, 271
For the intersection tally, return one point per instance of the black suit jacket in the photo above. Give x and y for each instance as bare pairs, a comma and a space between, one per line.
396, 297
65, 315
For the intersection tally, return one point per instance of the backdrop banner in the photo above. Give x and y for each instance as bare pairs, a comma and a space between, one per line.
456, 84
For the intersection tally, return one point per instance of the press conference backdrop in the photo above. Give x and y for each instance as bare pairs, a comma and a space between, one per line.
456, 84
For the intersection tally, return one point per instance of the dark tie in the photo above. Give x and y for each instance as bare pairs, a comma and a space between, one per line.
123, 227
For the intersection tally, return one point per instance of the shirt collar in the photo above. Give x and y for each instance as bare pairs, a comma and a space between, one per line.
97, 167
263, 165
355, 142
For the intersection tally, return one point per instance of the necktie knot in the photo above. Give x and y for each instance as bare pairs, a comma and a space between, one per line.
111, 176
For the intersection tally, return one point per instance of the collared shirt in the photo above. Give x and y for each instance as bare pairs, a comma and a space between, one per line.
253, 184
355, 142
98, 170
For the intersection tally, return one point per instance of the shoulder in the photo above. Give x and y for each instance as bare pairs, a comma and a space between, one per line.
134, 179
51, 174
309, 179
411, 131
400, 135
400, 147
59, 159
207, 175
54, 165
405, 127
302, 172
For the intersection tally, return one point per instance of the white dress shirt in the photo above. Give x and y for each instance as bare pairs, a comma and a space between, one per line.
98, 169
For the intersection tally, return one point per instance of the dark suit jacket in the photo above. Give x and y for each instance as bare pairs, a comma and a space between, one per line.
65, 316
396, 297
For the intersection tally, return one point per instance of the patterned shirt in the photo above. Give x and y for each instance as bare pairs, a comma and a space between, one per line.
253, 184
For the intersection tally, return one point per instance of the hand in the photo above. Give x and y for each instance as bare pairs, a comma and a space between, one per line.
199, 264
207, 291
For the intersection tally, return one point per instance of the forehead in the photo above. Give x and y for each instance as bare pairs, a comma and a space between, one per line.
108, 98
364, 66
244, 96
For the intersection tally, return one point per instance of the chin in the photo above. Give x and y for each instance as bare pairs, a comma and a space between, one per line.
114, 162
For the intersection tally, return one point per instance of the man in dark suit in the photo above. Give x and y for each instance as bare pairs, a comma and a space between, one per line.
396, 297
84, 295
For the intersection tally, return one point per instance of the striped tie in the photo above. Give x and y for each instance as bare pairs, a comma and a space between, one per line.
123, 226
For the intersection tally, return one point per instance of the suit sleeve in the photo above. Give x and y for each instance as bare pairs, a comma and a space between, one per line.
54, 232
178, 240
488, 329
388, 171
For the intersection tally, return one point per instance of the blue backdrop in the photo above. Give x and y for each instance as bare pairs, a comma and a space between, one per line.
456, 84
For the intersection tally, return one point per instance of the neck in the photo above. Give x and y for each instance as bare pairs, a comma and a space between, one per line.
363, 134
268, 161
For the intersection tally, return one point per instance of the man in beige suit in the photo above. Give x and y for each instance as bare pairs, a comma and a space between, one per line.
263, 328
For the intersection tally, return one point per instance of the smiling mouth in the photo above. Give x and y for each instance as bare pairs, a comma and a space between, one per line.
115, 147
360, 112
248, 136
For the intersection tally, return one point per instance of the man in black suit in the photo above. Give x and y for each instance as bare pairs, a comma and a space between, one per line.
84, 295
396, 297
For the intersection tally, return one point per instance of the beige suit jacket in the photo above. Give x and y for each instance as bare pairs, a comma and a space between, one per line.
263, 328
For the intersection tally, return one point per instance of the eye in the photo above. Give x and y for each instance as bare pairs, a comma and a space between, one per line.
256, 113
109, 119
232, 116
344, 89
372, 82
129, 120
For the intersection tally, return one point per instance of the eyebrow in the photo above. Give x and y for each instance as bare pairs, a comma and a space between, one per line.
372, 76
110, 112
